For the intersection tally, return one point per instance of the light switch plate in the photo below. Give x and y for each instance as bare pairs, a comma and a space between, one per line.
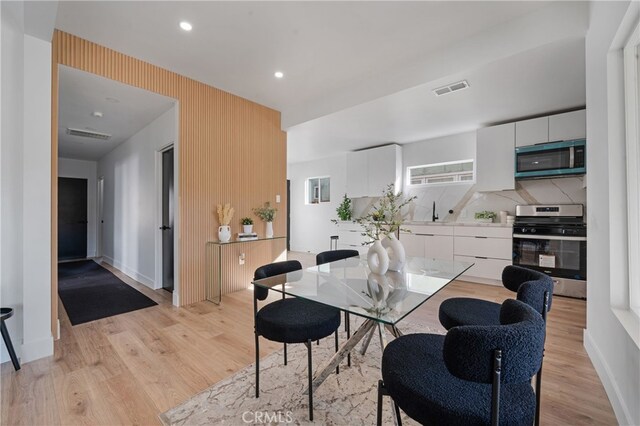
277, 198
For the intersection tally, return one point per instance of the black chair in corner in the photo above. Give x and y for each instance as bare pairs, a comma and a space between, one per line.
290, 320
475, 375
532, 287
332, 256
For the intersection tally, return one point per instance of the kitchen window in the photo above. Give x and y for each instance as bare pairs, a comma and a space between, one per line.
442, 173
318, 190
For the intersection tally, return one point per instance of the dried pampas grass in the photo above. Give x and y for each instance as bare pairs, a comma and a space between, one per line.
225, 213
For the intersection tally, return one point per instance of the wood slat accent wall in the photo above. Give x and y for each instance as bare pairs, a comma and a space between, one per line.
229, 150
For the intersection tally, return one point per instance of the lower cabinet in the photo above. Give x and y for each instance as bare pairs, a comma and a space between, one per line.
350, 237
488, 248
430, 241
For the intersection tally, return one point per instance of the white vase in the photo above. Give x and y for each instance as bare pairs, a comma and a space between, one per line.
224, 233
397, 256
269, 232
247, 229
378, 258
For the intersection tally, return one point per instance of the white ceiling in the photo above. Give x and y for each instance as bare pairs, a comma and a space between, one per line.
359, 73
82, 93
545, 79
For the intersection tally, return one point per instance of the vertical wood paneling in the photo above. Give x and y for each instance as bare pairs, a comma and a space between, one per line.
230, 150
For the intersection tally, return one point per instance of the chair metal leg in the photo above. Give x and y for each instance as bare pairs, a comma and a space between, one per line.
538, 396
7, 342
257, 366
495, 388
397, 410
348, 325
285, 354
255, 332
379, 415
338, 366
310, 381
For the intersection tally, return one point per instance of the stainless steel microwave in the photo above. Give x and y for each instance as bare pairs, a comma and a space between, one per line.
551, 159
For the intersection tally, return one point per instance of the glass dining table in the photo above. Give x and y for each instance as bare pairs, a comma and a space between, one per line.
382, 300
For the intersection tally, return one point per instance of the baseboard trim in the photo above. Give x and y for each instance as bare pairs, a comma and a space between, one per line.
142, 279
36, 349
606, 377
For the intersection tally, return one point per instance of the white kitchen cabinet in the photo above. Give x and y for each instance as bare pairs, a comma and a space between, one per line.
568, 126
413, 244
495, 150
531, 132
350, 237
488, 248
435, 241
370, 171
357, 174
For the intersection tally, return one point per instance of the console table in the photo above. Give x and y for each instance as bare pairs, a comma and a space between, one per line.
230, 266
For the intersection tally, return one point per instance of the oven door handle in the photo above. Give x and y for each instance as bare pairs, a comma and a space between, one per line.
548, 237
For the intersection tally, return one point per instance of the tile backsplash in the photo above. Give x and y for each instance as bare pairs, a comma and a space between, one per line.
465, 201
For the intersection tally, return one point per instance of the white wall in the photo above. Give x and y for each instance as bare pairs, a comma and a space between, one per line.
129, 171
25, 220
83, 169
613, 351
11, 151
311, 224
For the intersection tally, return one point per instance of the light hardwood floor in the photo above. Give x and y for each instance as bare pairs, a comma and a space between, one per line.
129, 368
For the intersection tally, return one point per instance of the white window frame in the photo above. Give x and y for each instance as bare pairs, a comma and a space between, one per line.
307, 198
427, 184
631, 52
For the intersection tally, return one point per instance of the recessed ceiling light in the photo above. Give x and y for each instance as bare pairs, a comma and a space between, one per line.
112, 100
97, 114
278, 74
186, 26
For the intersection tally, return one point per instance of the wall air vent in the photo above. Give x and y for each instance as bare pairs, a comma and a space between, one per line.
88, 134
453, 87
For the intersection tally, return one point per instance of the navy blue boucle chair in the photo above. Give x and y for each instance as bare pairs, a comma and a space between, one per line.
333, 256
290, 320
532, 287
475, 375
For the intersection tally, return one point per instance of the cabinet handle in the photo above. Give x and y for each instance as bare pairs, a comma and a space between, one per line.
480, 257
481, 237
427, 235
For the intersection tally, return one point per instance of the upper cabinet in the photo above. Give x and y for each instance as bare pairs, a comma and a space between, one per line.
568, 126
495, 167
370, 171
531, 132
559, 127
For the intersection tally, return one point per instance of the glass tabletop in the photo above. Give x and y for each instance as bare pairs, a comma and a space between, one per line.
350, 286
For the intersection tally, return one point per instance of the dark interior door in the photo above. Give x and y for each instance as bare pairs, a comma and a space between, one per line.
72, 218
167, 220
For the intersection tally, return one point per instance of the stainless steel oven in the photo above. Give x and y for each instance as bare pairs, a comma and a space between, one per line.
553, 239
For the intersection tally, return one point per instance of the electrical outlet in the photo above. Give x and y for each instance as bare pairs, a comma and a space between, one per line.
241, 259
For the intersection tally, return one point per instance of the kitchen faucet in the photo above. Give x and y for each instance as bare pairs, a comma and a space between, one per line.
434, 216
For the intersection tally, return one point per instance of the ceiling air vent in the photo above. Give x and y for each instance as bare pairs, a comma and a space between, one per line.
88, 134
453, 87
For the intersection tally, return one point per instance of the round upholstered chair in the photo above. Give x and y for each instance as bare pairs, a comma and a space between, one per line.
290, 320
475, 375
531, 287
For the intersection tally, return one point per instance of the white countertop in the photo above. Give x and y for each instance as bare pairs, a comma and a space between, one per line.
438, 223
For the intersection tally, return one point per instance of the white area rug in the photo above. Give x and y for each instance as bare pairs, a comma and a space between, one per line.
348, 398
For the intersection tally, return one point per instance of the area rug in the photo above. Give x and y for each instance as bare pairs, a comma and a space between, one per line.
90, 292
348, 398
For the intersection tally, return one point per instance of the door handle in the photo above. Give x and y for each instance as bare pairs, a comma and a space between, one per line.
164, 228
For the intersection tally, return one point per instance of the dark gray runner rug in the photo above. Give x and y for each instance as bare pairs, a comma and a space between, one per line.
348, 398
90, 292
